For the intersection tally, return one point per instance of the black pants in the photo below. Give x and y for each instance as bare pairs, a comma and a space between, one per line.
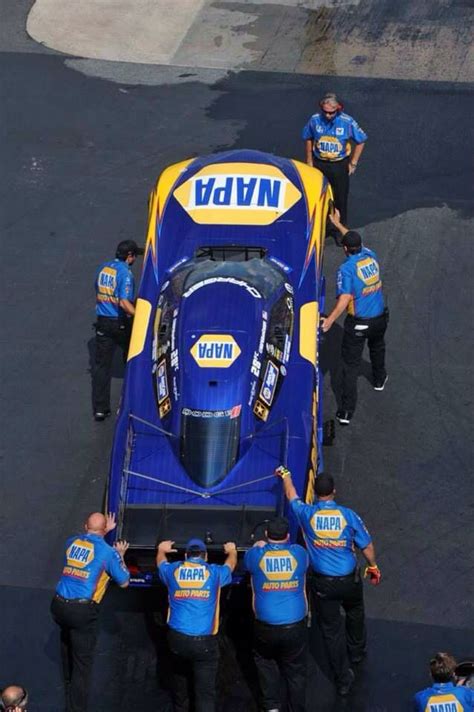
281, 650
342, 641
338, 177
78, 624
356, 331
194, 659
109, 334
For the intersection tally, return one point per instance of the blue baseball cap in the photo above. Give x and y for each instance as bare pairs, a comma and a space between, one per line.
196, 545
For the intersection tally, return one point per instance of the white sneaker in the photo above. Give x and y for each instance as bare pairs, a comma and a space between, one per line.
380, 386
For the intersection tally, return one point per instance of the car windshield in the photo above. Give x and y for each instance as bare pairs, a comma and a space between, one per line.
258, 273
209, 445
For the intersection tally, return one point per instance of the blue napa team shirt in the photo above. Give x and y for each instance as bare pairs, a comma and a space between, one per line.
114, 281
359, 276
330, 532
89, 564
331, 137
278, 574
444, 697
194, 588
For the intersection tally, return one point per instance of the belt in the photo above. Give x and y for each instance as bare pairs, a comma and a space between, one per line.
334, 578
328, 160
74, 600
365, 318
285, 626
194, 637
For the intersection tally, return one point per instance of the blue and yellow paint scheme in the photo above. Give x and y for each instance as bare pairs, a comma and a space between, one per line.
222, 382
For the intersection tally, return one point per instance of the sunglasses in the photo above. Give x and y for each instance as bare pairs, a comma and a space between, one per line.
330, 113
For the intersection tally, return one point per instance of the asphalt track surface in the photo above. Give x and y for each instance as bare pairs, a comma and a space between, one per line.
79, 155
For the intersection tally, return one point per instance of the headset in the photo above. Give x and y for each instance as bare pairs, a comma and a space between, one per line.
330, 96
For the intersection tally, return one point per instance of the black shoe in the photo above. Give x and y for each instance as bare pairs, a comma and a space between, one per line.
380, 385
101, 415
344, 688
344, 417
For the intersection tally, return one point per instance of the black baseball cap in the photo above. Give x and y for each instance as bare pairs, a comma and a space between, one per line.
278, 528
352, 239
324, 485
126, 247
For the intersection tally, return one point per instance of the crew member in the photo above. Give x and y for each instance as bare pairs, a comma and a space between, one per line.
359, 290
89, 564
278, 575
14, 698
115, 295
331, 533
194, 590
443, 695
328, 138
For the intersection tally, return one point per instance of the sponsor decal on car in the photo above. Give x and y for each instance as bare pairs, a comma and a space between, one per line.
165, 407
237, 194
229, 413
267, 391
162, 382
215, 351
282, 265
261, 410
222, 280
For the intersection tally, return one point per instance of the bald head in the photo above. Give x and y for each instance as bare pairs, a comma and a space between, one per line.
96, 523
14, 695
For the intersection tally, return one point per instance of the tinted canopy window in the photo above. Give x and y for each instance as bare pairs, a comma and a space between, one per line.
280, 328
209, 445
258, 273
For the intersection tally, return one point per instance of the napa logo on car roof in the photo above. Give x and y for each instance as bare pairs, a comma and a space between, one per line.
215, 351
237, 194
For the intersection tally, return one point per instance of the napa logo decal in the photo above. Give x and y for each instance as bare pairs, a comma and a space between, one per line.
328, 523
80, 553
215, 351
237, 194
330, 147
278, 565
368, 271
191, 575
443, 703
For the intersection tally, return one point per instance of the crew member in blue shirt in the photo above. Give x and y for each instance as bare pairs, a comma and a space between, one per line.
115, 296
359, 290
89, 564
194, 588
334, 143
278, 575
444, 695
332, 533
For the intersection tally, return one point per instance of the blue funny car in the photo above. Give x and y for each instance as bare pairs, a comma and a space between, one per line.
222, 382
